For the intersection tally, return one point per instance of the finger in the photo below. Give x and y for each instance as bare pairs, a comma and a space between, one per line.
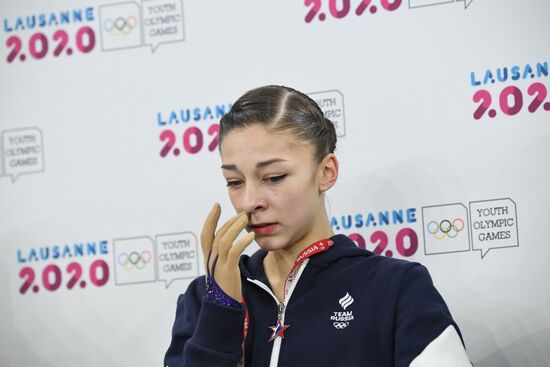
207, 233
238, 248
221, 232
228, 224
208, 228
230, 235
219, 235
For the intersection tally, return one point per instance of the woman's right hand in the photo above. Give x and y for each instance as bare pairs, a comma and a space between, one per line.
220, 245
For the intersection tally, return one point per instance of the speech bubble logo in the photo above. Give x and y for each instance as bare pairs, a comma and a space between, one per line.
162, 22
494, 224
445, 229
22, 152
332, 105
422, 3
120, 26
134, 260
177, 257
467, 3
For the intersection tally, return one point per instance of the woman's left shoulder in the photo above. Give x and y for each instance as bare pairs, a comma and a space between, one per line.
389, 267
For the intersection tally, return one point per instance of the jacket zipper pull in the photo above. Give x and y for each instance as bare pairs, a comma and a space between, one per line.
279, 329
280, 311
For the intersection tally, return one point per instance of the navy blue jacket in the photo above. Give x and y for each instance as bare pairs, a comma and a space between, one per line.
349, 307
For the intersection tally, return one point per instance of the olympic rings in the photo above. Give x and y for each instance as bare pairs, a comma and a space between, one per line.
134, 260
120, 25
340, 325
445, 228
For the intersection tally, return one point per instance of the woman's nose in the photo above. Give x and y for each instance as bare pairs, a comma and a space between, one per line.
253, 199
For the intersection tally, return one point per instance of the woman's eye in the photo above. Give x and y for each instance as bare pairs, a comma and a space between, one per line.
233, 183
275, 179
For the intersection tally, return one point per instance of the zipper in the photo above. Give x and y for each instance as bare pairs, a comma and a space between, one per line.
281, 308
280, 311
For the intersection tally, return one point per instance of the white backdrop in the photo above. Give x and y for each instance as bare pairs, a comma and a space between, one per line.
109, 163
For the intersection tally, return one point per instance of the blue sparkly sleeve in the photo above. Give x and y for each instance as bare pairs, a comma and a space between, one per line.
216, 295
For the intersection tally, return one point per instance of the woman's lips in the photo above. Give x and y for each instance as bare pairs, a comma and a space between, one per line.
262, 229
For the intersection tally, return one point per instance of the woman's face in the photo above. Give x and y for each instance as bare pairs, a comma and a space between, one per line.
274, 178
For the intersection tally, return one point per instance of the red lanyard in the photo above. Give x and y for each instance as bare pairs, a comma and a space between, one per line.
314, 248
311, 250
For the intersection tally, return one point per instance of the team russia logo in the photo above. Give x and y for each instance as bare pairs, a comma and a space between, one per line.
341, 319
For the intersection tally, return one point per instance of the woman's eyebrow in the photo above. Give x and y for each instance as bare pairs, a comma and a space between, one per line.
233, 167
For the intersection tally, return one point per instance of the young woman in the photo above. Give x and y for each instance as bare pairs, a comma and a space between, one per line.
308, 297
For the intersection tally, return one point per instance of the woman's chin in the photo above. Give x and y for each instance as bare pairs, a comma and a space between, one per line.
269, 244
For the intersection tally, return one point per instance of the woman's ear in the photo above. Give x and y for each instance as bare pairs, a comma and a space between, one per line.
328, 172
